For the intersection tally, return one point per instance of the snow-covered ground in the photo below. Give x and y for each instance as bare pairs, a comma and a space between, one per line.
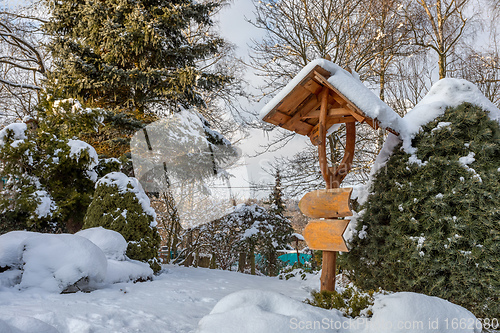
174, 302
202, 300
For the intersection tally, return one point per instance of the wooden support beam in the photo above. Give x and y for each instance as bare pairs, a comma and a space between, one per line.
339, 112
294, 99
314, 133
328, 271
295, 123
323, 164
279, 118
312, 86
339, 172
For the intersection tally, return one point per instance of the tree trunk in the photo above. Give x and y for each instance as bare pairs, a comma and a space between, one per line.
196, 258
189, 258
212, 262
442, 66
271, 264
298, 254
252, 262
242, 262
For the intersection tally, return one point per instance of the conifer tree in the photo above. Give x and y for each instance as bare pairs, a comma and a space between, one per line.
120, 204
128, 54
50, 175
276, 202
434, 228
281, 226
133, 58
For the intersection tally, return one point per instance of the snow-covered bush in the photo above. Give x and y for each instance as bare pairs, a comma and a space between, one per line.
269, 312
67, 263
246, 230
352, 302
50, 180
120, 204
25, 324
431, 221
56, 263
114, 246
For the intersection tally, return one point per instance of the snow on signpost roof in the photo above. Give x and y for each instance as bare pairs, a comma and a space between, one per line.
295, 107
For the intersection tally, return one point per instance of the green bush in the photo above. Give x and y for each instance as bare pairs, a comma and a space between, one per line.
434, 228
120, 204
351, 302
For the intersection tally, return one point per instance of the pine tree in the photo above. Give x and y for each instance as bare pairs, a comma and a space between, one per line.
276, 203
282, 229
120, 204
434, 228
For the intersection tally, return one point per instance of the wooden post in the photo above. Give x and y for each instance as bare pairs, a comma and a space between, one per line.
328, 271
329, 257
333, 177
323, 163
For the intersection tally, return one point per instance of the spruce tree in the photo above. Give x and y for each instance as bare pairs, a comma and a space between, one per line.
276, 202
130, 58
434, 228
120, 204
130, 54
282, 229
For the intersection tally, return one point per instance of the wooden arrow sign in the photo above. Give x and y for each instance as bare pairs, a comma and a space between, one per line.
326, 203
326, 235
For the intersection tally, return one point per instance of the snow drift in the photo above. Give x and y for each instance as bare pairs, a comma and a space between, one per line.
258, 311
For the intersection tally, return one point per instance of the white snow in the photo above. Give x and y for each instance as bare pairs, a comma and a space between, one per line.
466, 160
269, 312
469, 159
46, 205
24, 324
78, 146
362, 234
50, 262
441, 125
173, 302
350, 86
11, 249
445, 93
263, 312
110, 242
53, 263
18, 132
299, 236
411, 312
385, 153
127, 270
202, 300
129, 184
120, 268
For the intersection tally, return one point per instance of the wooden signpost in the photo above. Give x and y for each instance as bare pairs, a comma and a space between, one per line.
310, 108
